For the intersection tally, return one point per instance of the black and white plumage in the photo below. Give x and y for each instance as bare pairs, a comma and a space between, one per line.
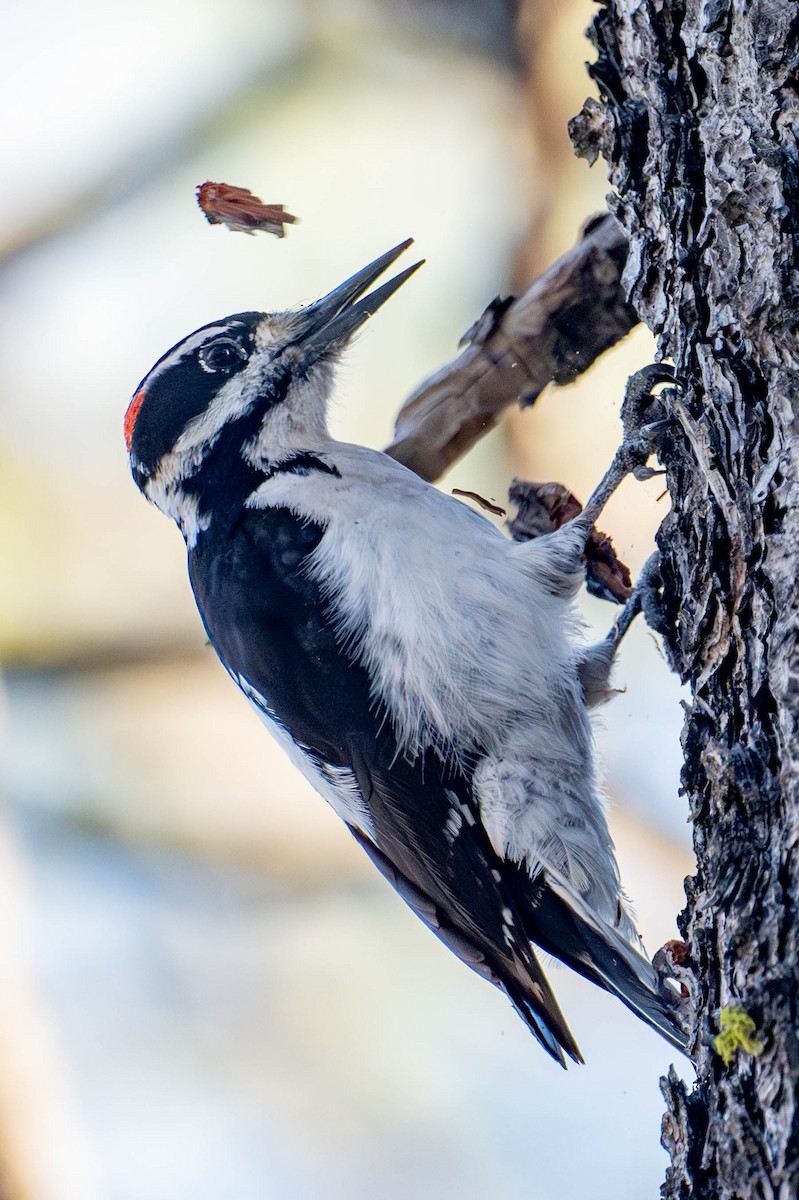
416, 665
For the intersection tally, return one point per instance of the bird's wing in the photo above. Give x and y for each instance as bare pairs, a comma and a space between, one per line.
415, 814
417, 818
428, 842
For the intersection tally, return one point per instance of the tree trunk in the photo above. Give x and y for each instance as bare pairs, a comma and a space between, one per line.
698, 123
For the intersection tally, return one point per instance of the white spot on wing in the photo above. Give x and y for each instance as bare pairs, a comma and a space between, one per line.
452, 825
507, 927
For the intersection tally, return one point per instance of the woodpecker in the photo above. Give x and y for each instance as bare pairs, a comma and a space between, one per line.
418, 667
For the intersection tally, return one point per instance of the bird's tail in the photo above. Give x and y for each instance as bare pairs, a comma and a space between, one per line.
516, 972
560, 922
541, 1014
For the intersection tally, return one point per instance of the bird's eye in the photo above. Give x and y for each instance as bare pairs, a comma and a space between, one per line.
223, 354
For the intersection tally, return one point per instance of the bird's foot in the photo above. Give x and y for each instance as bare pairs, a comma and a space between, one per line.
677, 981
644, 412
644, 419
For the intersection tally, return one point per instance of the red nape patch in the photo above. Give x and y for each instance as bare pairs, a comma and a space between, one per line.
131, 415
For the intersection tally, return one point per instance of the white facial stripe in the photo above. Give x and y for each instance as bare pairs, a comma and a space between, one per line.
300, 414
231, 401
285, 427
182, 351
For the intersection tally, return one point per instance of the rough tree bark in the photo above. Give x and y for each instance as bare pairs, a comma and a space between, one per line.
698, 123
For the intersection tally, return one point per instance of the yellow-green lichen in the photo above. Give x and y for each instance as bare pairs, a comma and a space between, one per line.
737, 1031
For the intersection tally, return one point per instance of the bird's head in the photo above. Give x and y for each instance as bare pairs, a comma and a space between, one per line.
239, 393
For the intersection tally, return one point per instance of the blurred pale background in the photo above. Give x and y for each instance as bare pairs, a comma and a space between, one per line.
205, 991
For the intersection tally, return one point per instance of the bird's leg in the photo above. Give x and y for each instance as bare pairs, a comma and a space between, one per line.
640, 437
645, 598
596, 662
566, 539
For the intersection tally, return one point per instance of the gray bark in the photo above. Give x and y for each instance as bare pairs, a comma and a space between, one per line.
698, 123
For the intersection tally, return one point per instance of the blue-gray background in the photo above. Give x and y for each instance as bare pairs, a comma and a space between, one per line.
205, 992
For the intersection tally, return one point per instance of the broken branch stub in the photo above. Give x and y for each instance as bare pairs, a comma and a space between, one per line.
549, 334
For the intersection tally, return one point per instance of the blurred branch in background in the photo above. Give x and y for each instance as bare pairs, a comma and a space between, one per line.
44, 1150
550, 334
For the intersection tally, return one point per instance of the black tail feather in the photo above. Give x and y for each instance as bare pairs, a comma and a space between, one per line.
553, 1041
518, 973
606, 960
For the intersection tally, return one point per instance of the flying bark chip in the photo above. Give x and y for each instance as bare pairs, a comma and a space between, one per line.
240, 210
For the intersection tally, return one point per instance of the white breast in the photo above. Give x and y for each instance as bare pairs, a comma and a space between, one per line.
447, 615
465, 636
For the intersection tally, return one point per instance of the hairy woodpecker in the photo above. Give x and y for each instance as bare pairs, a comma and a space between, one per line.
414, 663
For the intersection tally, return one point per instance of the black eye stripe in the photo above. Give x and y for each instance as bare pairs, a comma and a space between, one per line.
180, 387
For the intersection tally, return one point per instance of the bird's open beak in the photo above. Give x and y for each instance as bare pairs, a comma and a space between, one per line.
334, 319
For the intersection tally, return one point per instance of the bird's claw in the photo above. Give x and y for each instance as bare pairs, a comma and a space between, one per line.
641, 436
643, 412
653, 429
642, 473
677, 980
